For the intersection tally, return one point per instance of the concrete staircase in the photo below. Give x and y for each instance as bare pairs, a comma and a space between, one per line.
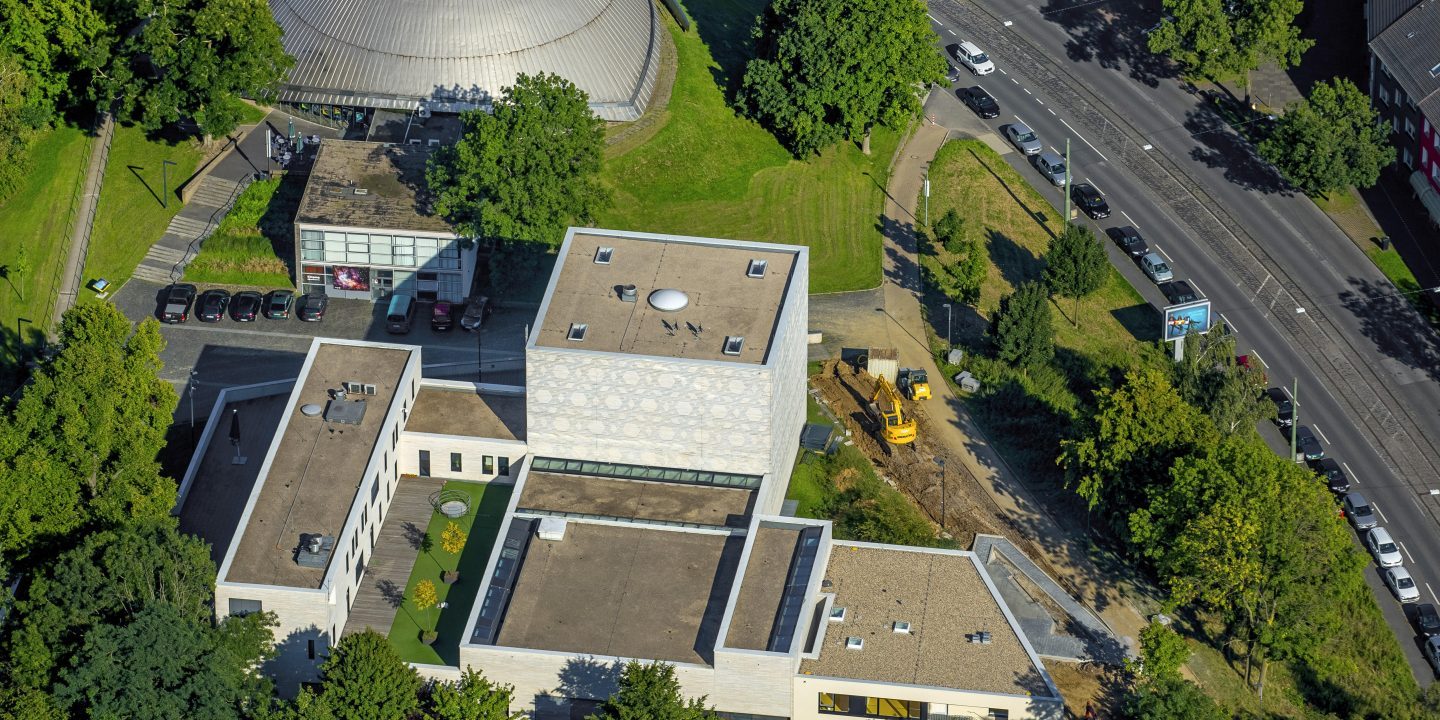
166, 260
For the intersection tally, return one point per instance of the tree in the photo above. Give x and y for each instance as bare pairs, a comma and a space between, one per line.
1075, 265
1211, 378
191, 59
452, 540
649, 691
1331, 140
366, 680
79, 448
1172, 699
473, 697
425, 598
1163, 653
166, 664
1225, 39
827, 70
525, 170
60, 45
1022, 327
950, 232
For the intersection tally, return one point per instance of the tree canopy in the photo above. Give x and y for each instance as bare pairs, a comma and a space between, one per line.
472, 697
1211, 378
365, 679
526, 170
1023, 331
1331, 140
827, 70
1075, 265
650, 691
1226, 39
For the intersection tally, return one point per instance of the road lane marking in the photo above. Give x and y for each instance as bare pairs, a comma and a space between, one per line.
1042, 102
1432, 593
1017, 82
1161, 250
1381, 514
1092, 184
1350, 473
1321, 434
1132, 220
1233, 329
1052, 112
952, 32
937, 22
1052, 149
1082, 139
1027, 91
1002, 71
1287, 393
1407, 551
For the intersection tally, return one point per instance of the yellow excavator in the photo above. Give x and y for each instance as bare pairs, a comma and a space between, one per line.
913, 383
886, 409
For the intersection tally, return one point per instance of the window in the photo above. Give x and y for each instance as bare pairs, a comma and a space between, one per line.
886, 707
757, 268
487, 465
1384, 95
359, 570
1409, 127
375, 488
997, 714
310, 648
834, 703
424, 463
577, 331
733, 343
239, 606
504, 465
364, 517
455, 462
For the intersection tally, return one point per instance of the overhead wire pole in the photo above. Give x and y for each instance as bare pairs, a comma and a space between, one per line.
1294, 415
1067, 181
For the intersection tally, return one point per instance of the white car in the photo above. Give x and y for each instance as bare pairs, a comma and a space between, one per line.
1380, 544
1432, 652
971, 56
1400, 582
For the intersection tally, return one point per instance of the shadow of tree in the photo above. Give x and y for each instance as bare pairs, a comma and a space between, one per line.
1389, 320
1017, 264
1113, 37
1220, 146
586, 677
725, 29
393, 593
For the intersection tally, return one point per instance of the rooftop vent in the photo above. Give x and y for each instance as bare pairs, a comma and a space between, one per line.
901, 627
550, 528
314, 550
414, 141
360, 191
757, 268
603, 255
577, 332
733, 343
433, 143
980, 638
854, 643
837, 614
627, 293
669, 300
310, 410
358, 388
1435, 71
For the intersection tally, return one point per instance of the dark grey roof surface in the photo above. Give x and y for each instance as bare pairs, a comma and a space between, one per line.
1380, 13
1410, 49
457, 54
392, 181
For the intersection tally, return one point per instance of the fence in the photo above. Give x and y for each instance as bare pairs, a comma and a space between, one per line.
103, 129
211, 224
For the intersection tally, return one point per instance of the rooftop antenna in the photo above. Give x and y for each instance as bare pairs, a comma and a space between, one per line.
668, 329
694, 330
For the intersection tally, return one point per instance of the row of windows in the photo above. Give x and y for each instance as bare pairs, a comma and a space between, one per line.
332, 238
489, 464
861, 706
646, 472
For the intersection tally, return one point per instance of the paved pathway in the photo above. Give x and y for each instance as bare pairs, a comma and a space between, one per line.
382, 588
79, 243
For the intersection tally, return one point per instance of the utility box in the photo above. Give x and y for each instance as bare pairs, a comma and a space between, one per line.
883, 362
955, 356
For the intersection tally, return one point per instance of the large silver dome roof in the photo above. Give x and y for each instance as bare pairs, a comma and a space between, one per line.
457, 54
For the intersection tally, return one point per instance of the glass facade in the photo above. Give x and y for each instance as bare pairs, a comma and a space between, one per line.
646, 472
871, 707
428, 268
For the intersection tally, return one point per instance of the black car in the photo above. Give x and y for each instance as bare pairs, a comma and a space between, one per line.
1129, 240
1179, 291
211, 305
176, 308
980, 101
1333, 474
442, 317
1090, 200
245, 306
1427, 619
1308, 444
1285, 410
277, 305
311, 307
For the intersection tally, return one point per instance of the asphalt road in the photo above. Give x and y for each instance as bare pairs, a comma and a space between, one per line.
1342, 348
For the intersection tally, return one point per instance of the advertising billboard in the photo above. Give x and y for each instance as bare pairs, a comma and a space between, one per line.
350, 278
1181, 320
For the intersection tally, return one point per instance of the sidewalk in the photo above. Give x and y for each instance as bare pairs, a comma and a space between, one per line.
1067, 554
79, 244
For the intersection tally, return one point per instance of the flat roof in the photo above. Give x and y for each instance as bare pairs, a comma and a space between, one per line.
944, 598
637, 499
623, 591
392, 184
453, 411
721, 299
762, 587
317, 466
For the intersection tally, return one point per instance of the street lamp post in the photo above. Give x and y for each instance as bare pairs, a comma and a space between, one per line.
191, 392
949, 317
479, 355
927, 200
165, 183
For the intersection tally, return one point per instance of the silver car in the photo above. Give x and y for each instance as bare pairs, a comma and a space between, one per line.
1052, 166
1402, 585
1023, 138
1383, 547
1156, 267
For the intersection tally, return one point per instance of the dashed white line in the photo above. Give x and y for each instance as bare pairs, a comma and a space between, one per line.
1052, 149
1350, 473
1052, 112
1002, 71
1017, 82
1092, 184
937, 22
1287, 393
1027, 91
952, 32
1230, 325
1407, 551
1381, 514
1432, 593
1042, 102
1160, 250
1321, 434
1082, 139
1132, 220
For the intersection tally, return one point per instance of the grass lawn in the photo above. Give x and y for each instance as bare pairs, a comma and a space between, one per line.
708, 172
248, 247
1345, 209
36, 221
130, 217
487, 507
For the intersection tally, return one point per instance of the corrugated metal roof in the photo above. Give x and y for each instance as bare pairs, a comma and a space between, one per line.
455, 54
1380, 13
1410, 49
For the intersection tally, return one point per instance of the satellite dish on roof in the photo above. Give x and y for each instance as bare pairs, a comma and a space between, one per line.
669, 300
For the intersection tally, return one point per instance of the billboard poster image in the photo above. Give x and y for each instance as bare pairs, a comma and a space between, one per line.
350, 278
1181, 320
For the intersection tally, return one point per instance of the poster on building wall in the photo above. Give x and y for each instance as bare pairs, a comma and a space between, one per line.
350, 278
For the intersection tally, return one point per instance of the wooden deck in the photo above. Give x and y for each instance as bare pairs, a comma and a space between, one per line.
382, 589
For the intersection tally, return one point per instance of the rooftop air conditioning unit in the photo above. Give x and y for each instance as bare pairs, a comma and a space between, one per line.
552, 529
360, 191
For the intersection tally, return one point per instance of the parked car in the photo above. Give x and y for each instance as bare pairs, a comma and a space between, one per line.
1402, 585
971, 56
442, 318
1285, 410
1307, 444
245, 306
211, 305
980, 101
1358, 510
178, 298
477, 309
1156, 268
311, 307
1427, 620
277, 305
1432, 652
1383, 547
1052, 166
1329, 470
1090, 200
1178, 292
1023, 138
1129, 240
